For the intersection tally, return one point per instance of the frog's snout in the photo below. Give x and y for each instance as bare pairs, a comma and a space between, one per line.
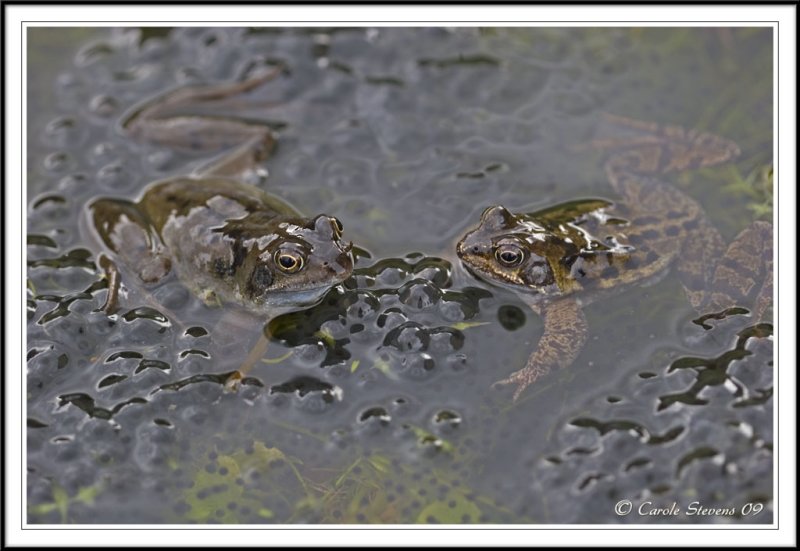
470, 244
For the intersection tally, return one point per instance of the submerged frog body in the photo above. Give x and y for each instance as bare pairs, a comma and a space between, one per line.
565, 257
226, 240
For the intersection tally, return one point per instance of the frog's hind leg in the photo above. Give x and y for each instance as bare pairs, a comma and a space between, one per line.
648, 148
245, 160
165, 121
142, 123
744, 275
697, 260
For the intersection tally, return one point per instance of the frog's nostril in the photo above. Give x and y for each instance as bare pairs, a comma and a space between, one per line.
476, 249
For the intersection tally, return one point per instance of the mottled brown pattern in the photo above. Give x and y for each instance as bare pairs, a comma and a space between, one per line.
745, 273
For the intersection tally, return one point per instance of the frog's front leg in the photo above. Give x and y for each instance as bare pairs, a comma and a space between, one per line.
564, 336
112, 276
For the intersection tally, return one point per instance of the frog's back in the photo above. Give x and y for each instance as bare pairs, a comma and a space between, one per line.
227, 198
644, 234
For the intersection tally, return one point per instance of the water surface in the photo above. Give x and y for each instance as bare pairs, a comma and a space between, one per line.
376, 406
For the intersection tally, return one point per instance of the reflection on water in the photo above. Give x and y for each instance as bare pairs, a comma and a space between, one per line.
375, 405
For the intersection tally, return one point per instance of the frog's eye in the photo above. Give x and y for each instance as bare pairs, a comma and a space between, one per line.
289, 261
509, 255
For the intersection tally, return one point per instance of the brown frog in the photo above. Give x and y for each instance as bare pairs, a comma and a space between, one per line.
560, 259
228, 241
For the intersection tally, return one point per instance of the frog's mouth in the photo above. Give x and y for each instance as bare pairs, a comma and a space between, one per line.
295, 299
482, 269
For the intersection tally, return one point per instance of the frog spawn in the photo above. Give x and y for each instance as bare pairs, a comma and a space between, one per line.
403, 329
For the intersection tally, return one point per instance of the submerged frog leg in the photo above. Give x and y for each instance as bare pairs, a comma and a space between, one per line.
257, 352
149, 121
112, 275
244, 159
744, 275
664, 148
564, 336
127, 232
649, 148
697, 260
160, 122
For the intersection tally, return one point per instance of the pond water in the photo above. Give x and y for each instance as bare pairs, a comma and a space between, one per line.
376, 406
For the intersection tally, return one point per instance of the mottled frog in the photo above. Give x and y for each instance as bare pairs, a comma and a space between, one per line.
226, 240
565, 257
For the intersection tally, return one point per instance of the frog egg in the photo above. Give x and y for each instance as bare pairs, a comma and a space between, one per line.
73, 183
50, 206
71, 330
337, 328
408, 337
310, 354
103, 153
152, 448
365, 307
115, 176
419, 294
64, 449
511, 317
374, 418
390, 276
94, 53
452, 310
317, 401
68, 82
401, 405
435, 270
446, 340
308, 394
63, 132
446, 421
390, 318
59, 161
103, 105
44, 364
416, 365
457, 362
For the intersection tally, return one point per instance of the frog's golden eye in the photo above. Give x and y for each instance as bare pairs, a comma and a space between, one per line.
289, 262
509, 255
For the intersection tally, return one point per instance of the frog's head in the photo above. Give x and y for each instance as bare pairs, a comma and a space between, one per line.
295, 264
512, 251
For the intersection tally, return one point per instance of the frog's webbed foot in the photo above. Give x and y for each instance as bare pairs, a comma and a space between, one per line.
563, 338
523, 378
